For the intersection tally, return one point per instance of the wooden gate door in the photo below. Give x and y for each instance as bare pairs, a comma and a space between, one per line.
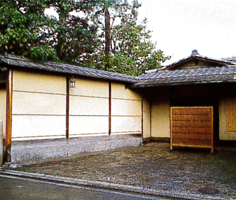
192, 127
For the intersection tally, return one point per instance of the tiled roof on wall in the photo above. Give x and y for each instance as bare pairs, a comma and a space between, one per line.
25, 63
188, 76
159, 77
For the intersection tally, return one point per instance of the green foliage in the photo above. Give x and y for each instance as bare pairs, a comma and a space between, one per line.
77, 35
26, 30
20, 23
43, 52
71, 35
131, 49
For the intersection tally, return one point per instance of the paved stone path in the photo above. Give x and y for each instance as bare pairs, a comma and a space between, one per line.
152, 166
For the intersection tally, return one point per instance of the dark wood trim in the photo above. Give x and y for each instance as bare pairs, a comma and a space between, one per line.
212, 130
126, 99
86, 96
156, 139
49, 115
8, 140
74, 115
67, 106
33, 92
126, 115
109, 122
142, 117
171, 134
146, 140
150, 118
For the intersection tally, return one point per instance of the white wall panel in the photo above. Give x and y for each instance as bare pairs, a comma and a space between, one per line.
126, 107
88, 124
91, 87
28, 127
118, 90
88, 106
38, 103
146, 119
160, 114
126, 124
35, 82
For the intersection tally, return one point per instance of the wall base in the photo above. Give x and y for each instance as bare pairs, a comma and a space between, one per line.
156, 139
36, 151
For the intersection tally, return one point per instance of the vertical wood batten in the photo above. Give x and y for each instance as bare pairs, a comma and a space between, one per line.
151, 118
171, 122
109, 120
9, 86
67, 106
142, 118
212, 130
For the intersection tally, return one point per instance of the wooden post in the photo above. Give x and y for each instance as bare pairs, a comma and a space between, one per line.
171, 147
212, 130
9, 114
150, 108
142, 117
1, 143
67, 106
109, 121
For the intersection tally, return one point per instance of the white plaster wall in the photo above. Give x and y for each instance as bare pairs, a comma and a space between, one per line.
126, 110
90, 87
89, 108
80, 105
146, 119
160, 114
38, 103
119, 91
125, 125
38, 106
126, 107
39, 83
88, 125
27, 127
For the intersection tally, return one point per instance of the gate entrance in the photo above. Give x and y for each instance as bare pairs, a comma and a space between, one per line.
192, 127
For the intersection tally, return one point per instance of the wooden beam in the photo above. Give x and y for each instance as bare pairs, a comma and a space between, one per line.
142, 117
212, 130
171, 134
109, 129
156, 139
9, 114
67, 106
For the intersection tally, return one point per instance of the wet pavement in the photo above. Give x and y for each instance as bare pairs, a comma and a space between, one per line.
153, 166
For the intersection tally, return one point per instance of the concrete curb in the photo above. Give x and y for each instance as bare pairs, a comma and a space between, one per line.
107, 185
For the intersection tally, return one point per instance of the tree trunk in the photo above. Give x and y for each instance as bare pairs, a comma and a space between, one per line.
107, 38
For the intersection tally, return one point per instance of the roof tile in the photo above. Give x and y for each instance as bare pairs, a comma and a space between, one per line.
188, 76
66, 68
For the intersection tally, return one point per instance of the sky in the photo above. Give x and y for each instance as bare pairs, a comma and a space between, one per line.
179, 26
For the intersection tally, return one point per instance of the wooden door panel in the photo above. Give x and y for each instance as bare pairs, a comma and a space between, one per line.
192, 143
192, 126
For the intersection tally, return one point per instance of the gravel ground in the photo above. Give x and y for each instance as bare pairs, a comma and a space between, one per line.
152, 166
